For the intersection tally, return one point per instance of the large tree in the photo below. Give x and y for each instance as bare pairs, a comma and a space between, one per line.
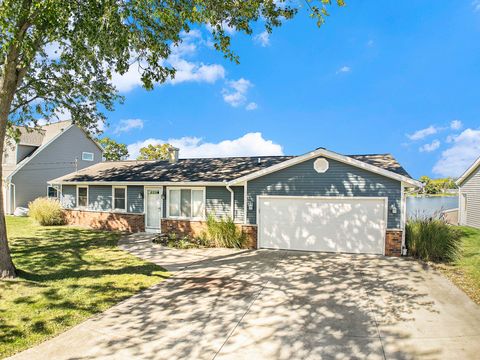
113, 151
91, 40
154, 152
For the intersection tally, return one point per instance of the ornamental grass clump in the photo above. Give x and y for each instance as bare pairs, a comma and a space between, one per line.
432, 239
46, 211
224, 233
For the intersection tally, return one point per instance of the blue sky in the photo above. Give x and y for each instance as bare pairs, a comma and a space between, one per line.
392, 76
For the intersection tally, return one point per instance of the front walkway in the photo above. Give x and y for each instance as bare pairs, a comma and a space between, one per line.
233, 304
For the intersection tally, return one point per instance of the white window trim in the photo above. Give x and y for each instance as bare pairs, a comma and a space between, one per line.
56, 187
113, 199
203, 217
88, 196
89, 153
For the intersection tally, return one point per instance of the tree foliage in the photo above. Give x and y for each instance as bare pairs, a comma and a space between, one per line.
113, 151
437, 186
58, 56
155, 152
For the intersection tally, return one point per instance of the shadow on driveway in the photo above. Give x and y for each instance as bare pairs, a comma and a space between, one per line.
265, 304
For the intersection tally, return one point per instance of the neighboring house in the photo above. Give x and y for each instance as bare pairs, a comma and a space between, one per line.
469, 196
40, 154
320, 201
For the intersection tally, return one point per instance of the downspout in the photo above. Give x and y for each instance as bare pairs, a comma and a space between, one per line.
232, 202
14, 199
403, 220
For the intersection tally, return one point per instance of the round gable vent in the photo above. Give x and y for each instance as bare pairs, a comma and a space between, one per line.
320, 165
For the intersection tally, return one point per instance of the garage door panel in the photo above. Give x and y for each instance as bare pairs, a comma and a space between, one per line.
351, 225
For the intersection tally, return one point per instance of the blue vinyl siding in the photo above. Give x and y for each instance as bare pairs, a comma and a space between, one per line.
100, 197
135, 196
217, 201
238, 203
69, 196
339, 180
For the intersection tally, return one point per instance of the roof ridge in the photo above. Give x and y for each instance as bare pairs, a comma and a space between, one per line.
371, 154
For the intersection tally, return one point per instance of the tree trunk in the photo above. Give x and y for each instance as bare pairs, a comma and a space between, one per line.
9, 80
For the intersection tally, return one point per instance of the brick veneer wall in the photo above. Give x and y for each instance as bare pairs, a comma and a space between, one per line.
136, 223
199, 228
106, 221
393, 243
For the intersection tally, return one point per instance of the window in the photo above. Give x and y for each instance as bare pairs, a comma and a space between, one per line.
82, 196
52, 192
120, 198
186, 203
87, 156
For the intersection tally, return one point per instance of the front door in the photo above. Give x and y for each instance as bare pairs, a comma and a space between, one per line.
154, 208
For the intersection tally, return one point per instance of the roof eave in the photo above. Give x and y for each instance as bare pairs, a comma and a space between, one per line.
468, 172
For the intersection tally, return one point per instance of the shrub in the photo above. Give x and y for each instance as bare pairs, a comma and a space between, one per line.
224, 233
46, 211
174, 241
432, 239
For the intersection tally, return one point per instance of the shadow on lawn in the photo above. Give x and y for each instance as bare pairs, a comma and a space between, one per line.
73, 253
67, 274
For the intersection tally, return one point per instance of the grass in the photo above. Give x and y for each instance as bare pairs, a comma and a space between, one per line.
65, 275
465, 271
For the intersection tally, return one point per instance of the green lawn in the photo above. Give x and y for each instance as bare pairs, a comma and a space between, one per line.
65, 275
465, 272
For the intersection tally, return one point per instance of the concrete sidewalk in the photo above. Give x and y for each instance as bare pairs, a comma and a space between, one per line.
234, 304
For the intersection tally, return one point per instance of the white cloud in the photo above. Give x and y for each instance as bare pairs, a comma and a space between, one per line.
251, 106
434, 145
101, 125
464, 150
131, 79
53, 50
344, 69
195, 72
456, 125
423, 133
262, 39
128, 124
476, 5
370, 43
250, 144
186, 70
236, 94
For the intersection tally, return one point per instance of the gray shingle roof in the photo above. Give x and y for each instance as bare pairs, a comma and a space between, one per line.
42, 134
201, 169
384, 161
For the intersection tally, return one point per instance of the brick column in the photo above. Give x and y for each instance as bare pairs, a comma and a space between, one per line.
250, 231
393, 243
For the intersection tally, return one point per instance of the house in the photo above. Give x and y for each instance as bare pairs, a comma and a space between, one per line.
319, 201
469, 196
52, 150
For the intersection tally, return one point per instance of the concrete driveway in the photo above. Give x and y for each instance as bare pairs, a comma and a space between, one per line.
227, 304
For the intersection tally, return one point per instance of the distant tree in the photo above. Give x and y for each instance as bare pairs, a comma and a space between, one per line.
436, 186
425, 179
154, 152
114, 151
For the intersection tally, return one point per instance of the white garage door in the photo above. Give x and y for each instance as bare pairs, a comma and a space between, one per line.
336, 224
